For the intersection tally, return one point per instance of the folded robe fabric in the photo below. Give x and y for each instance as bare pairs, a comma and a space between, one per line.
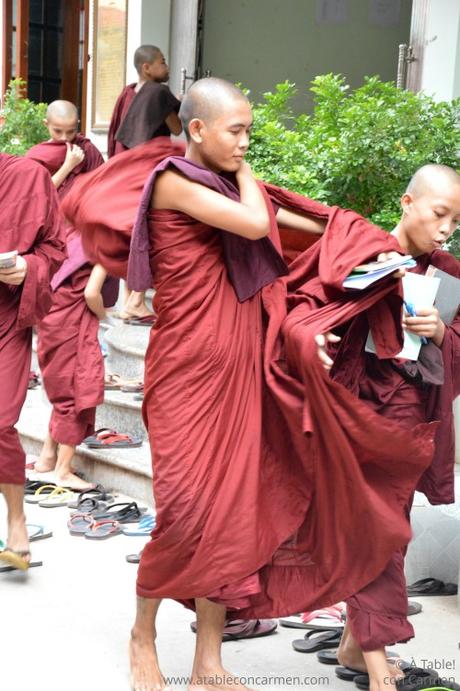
253, 443
68, 348
32, 225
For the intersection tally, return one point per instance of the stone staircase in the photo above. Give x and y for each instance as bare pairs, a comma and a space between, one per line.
124, 470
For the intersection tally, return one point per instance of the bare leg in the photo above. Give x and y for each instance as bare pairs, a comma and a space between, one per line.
381, 671
64, 475
208, 671
145, 670
349, 653
135, 306
48, 456
381, 675
18, 539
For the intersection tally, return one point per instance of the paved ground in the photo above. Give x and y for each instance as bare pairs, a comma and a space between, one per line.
64, 626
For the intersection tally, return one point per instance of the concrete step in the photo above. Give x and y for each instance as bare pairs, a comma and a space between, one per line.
127, 345
121, 412
124, 470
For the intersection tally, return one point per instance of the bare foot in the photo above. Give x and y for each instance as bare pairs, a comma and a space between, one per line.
46, 462
73, 482
137, 312
211, 679
145, 670
18, 538
352, 657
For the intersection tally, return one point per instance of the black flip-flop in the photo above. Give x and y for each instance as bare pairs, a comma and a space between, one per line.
431, 586
245, 628
347, 673
415, 679
317, 640
129, 513
328, 657
31, 486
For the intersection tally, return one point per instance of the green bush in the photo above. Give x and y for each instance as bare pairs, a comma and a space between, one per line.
21, 121
358, 149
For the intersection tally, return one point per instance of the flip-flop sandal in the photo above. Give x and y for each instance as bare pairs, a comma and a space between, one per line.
31, 486
96, 495
114, 440
240, 628
149, 320
362, 680
143, 528
133, 558
415, 679
79, 523
60, 497
324, 619
431, 586
37, 532
95, 435
16, 559
328, 657
317, 640
132, 388
31, 565
130, 513
38, 495
347, 673
102, 530
413, 608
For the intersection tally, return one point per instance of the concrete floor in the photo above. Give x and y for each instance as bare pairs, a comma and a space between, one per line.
64, 626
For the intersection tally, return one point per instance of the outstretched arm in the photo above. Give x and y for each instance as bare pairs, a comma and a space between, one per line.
293, 220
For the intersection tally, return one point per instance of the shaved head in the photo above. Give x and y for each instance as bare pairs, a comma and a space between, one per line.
146, 53
207, 99
431, 177
62, 110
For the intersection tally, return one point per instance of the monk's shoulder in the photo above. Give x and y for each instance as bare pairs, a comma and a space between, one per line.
446, 262
169, 185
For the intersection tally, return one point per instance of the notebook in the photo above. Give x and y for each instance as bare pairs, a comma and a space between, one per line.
366, 274
420, 291
448, 296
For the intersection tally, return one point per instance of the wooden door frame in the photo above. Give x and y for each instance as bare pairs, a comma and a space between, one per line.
7, 30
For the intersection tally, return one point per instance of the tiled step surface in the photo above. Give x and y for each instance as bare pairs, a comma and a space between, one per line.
124, 470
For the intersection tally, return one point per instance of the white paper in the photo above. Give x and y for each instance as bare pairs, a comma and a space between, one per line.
331, 11
384, 12
420, 291
361, 281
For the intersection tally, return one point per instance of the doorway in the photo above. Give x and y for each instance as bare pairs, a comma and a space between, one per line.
46, 44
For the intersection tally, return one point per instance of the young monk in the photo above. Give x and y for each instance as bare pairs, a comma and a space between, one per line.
237, 403
144, 110
69, 354
410, 393
31, 225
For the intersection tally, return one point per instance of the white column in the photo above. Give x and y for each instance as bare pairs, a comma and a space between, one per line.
441, 68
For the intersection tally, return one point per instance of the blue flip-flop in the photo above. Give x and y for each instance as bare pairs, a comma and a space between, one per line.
144, 527
37, 532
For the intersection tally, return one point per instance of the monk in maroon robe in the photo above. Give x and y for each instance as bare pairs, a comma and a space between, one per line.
31, 225
144, 110
409, 393
253, 443
69, 354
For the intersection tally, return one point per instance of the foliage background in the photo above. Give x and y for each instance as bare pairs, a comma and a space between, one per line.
22, 121
358, 149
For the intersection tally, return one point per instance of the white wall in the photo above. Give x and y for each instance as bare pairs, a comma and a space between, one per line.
262, 43
441, 63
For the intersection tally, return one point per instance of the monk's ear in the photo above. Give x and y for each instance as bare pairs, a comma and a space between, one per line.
45, 122
406, 202
195, 129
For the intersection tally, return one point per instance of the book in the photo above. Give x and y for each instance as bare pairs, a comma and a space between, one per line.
8, 259
365, 275
448, 296
419, 291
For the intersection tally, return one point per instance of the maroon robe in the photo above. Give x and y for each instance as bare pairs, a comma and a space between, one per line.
122, 104
69, 354
30, 223
253, 443
377, 615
